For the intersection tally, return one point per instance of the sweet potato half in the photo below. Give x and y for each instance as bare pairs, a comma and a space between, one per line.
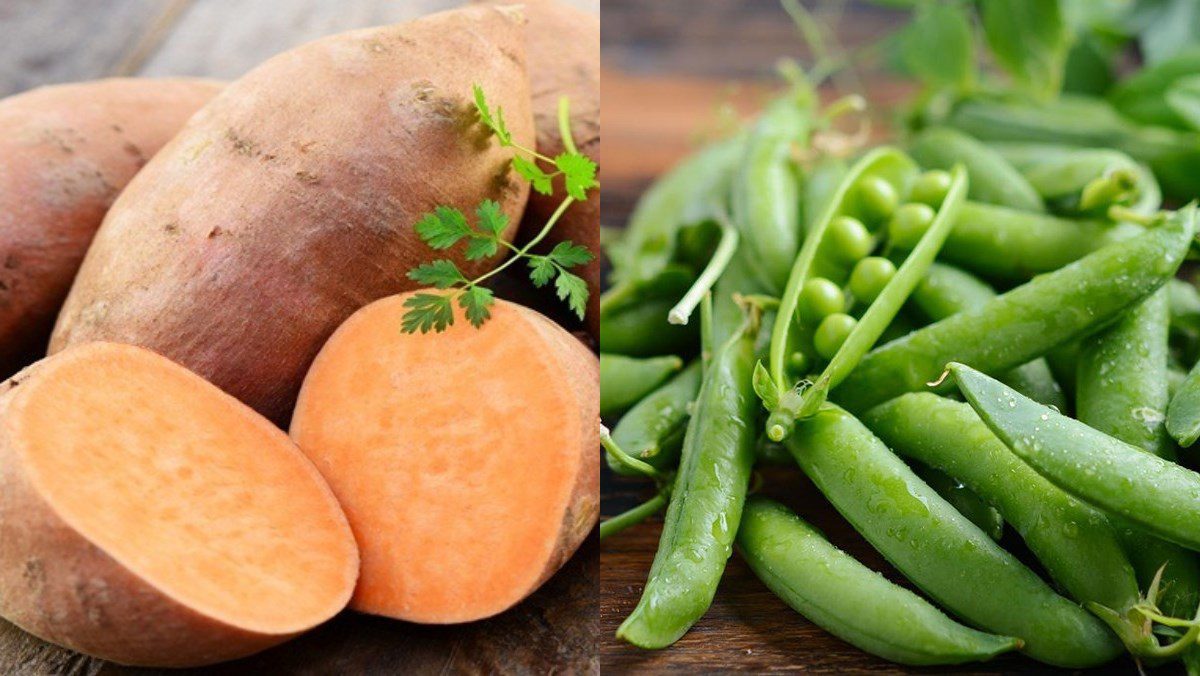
148, 518
65, 153
465, 461
290, 200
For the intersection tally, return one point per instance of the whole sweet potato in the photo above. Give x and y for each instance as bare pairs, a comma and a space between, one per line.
289, 201
66, 151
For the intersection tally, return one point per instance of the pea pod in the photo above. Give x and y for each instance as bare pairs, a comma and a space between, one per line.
993, 179
766, 194
946, 291
1143, 96
849, 600
706, 500
937, 548
820, 185
1076, 543
1028, 321
625, 380
963, 499
642, 330
652, 430
1084, 180
1159, 496
1010, 245
1183, 414
1121, 390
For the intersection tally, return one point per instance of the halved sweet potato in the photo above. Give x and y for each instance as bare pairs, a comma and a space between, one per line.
466, 461
148, 518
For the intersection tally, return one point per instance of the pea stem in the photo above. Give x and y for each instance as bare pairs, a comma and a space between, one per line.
633, 516
640, 466
715, 267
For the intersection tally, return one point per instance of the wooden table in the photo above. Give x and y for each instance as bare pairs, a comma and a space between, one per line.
52, 41
669, 64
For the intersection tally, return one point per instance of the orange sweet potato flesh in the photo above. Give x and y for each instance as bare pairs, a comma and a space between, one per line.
563, 43
465, 461
150, 519
65, 153
290, 200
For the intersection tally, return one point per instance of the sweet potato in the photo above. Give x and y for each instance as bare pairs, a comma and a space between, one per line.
148, 518
465, 461
65, 153
563, 43
290, 200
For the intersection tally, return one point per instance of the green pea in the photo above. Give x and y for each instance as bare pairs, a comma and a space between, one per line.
832, 332
908, 224
798, 362
877, 197
869, 277
848, 239
930, 187
820, 298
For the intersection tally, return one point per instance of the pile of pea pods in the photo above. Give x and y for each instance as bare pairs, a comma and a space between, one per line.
949, 337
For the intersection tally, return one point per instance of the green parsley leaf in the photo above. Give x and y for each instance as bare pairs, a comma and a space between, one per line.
492, 218
476, 302
530, 171
541, 270
494, 122
443, 228
580, 172
428, 311
482, 246
442, 274
569, 254
572, 289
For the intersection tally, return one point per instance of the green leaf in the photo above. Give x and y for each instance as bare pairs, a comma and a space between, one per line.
541, 270
572, 289
764, 387
443, 228
476, 302
492, 218
1165, 27
495, 121
540, 180
428, 311
1030, 40
481, 247
1184, 98
568, 254
580, 172
442, 274
937, 47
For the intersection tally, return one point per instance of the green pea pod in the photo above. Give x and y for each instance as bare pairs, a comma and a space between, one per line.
993, 179
1076, 543
1156, 494
820, 185
738, 279
642, 330
1183, 414
966, 501
851, 601
946, 291
624, 381
1010, 245
652, 431
706, 500
938, 549
1143, 96
1121, 390
1028, 321
766, 194
1078, 181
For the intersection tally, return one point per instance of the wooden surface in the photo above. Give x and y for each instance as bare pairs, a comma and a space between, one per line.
669, 65
53, 41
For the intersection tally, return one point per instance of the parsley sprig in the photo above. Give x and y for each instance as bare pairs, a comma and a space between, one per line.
446, 227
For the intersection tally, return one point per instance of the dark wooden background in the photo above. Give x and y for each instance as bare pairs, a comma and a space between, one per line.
668, 66
52, 41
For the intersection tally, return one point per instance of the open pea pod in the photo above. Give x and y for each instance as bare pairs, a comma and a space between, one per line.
788, 405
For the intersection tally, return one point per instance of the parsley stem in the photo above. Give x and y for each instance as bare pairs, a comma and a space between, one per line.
715, 267
564, 125
523, 251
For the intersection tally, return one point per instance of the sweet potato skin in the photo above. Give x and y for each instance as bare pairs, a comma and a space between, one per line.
289, 201
57, 585
563, 44
65, 153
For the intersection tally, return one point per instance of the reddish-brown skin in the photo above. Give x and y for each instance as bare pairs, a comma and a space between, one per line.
65, 153
289, 201
563, 43
57, 585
